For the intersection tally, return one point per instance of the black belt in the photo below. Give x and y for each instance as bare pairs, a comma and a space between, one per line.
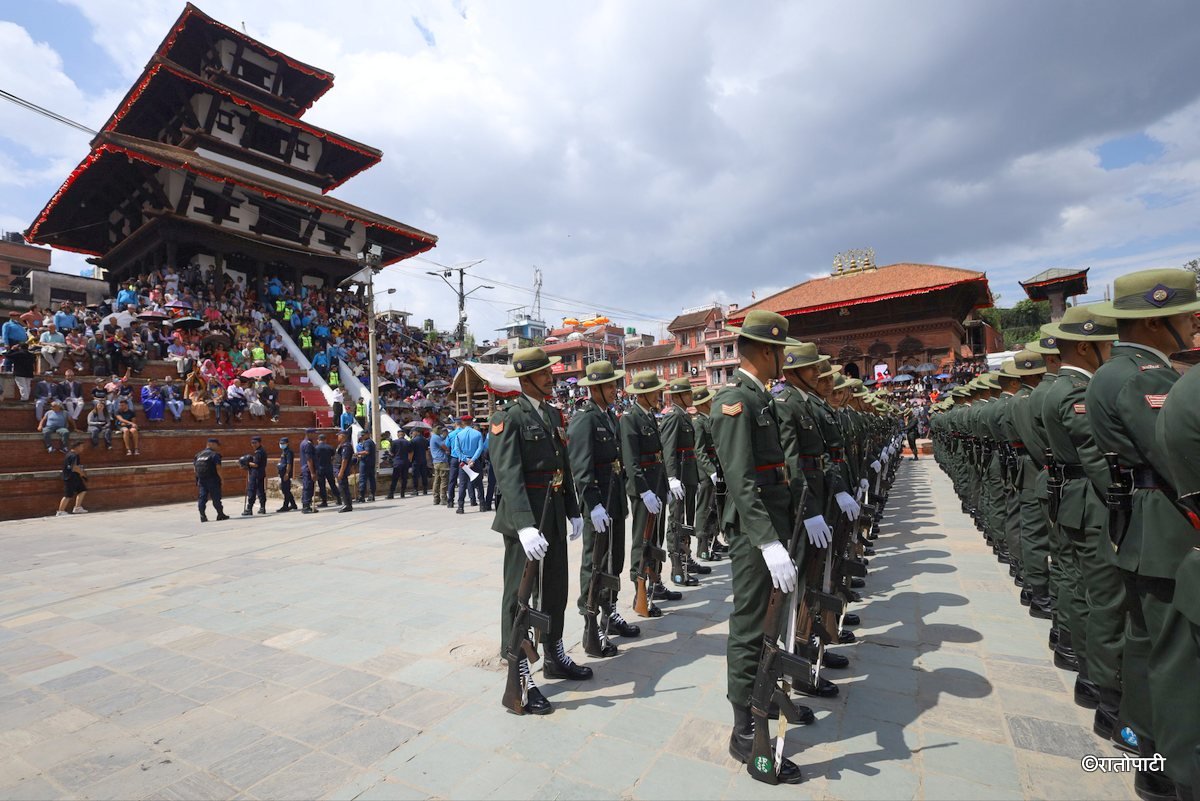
1071, 471
811, 463
1148, 478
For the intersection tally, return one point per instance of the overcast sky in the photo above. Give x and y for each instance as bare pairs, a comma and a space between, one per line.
651, 157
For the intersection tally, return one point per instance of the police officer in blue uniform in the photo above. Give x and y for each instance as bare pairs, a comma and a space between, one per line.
308, 469
366, 467
208, 479
284, 466
256, 479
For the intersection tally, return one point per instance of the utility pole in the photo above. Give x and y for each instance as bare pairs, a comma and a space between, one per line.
370, 259
460, 331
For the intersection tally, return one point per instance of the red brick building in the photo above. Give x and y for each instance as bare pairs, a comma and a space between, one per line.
896, 315
579, 345
699, 348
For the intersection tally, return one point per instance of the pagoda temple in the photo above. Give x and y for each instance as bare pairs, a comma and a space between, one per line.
896, 316
207, 161
1056, 285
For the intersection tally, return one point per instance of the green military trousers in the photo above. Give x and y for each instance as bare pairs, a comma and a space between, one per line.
994, 491
550, 591
640, 515
676, 519
616, 547
1035, 535
1175, 676
706, 515
751, 594
1098, 601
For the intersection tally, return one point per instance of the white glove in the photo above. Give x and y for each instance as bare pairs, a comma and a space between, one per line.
600, 518
576, 528
676, 487
883, 457
533, 542
848, 505
819, 534
783, 569
876, 466
713, 478
864, 484
653, 504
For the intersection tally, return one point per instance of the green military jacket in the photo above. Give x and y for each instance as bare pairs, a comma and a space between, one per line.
1122, 401
1069, 434
837, 478
706, 452
746, 434
679, 445
1027, 420
803, 449
527, 448
594, 445
641, 452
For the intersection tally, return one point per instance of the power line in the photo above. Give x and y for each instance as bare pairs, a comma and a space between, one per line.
45, 112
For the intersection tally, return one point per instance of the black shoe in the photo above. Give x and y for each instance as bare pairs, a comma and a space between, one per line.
389, 496
1067, 659
617, 625
346, 508
741, 746
1054, 631
1104, 721
485, 508
824, 688
1012, 570
852, 596
720, 547
262, 510
846, 637
1026, 597
1087, 694
474, 503
222, 516
248, 513
370, 499
684, 580
702, 570
857, 582
806, 715
1040, 607
536, 703
459, 511
868, 551
323, 504
283, 509
1151, 785
661, 593
850, 619
833, 660
1018, 580
308, 510
203, 519
360, 499
559, 666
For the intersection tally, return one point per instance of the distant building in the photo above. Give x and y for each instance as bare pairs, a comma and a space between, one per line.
1056, 285
26, 279
699, 348
869, 317
578, 346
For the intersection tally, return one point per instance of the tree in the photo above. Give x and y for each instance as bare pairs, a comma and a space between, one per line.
1194, 266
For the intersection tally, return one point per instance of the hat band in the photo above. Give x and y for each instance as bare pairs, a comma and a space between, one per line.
1088, 328
529, 367
773, 332
598, 376
1160, 297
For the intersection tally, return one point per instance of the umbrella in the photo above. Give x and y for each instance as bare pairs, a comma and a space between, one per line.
943, 376
217, 336
387, 385
438, 384
152, 315
908, 368
257, 372
927, 367
120, 319
900, 379
416, 424
187, 322
572, 380
179, 304
424, 404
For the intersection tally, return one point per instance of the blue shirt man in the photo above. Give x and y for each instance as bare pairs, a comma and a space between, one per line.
468, 444
347, 422
127, 297
437, 446
320, 361
13, 332
65, 321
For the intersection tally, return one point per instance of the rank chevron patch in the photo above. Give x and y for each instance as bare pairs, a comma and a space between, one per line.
731, 409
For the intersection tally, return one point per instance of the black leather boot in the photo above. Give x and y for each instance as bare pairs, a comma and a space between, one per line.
701, 570
741, 745
558, 664
1040, 606
834, 660
1065, 657
1053, 639
850, 619
679, 574
846, 637
1026, 596
617, 625
661, 593
1087, 694
535, 702
824, 688
1152, 785
1105, 721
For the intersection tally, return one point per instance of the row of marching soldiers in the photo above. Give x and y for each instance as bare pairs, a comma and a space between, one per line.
795, 481
1080, 462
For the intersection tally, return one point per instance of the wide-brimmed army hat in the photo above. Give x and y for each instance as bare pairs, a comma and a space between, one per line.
678, 386
1024, 363
1046, 345
601, 372
1151, 293
645, 381
1083, 323
530, 360
988, 381
829, 369
764, 326
701, 395
803, 355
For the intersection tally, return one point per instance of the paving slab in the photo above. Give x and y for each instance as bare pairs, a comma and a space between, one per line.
355, 657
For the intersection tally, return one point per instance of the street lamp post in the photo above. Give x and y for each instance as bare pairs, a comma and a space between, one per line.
460, 332
370, 259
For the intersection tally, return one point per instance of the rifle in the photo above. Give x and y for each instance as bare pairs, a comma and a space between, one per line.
1119, 500
652, 555
519, 642
601, 580
776, 666
1054, 485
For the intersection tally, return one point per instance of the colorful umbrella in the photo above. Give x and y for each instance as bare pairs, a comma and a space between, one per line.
187, 322
179, 304
257, 372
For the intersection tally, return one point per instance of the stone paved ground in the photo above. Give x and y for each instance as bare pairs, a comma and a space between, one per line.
351, 656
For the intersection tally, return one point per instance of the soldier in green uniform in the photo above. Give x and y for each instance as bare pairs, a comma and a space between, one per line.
594, 444
1084, 341
1155, 312
1175, 660
645, 479
707, 524
528, 448
758, 513
1034, 539
683, 478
